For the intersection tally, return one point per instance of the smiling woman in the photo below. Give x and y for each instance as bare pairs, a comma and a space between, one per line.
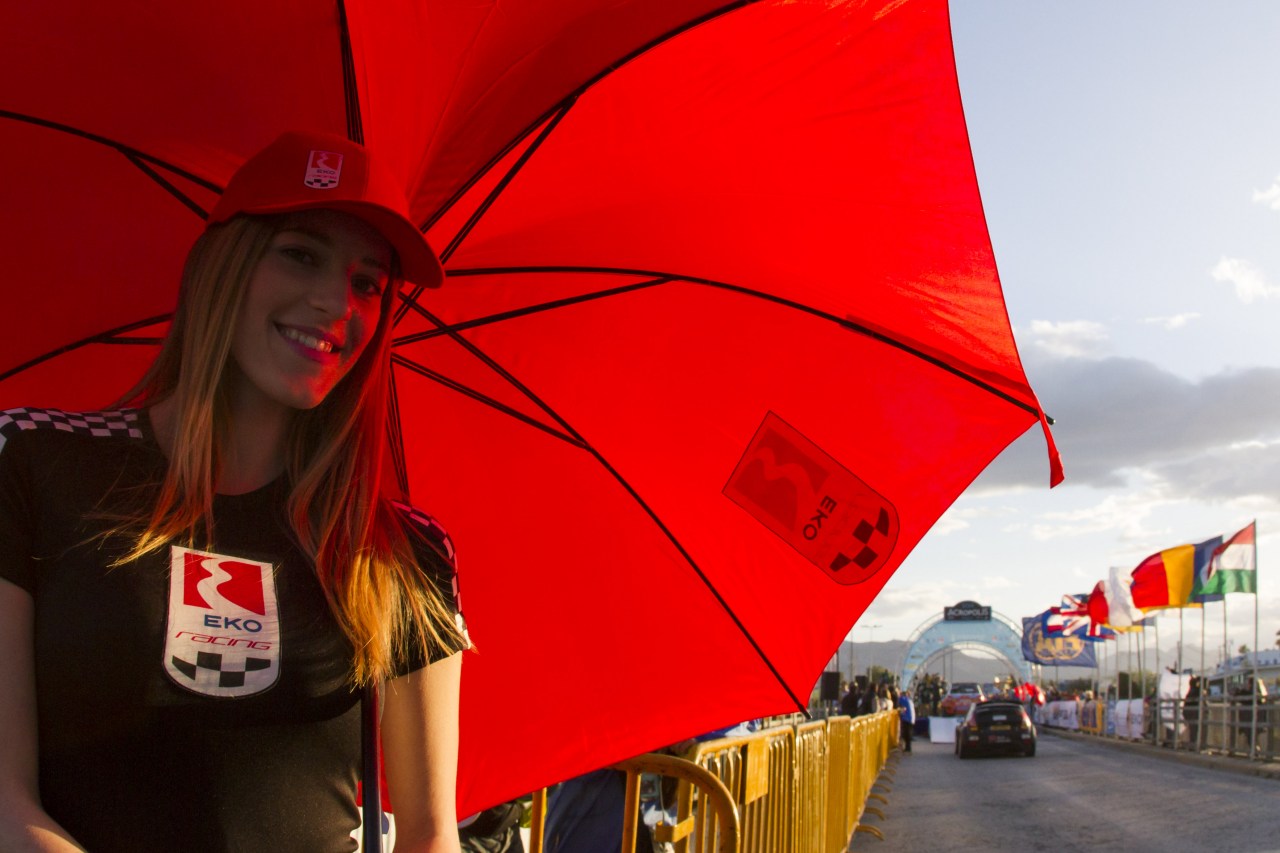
195, 587
311, 307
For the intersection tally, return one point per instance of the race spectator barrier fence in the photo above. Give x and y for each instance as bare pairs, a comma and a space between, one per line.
1225, 726
804, 788
801, 788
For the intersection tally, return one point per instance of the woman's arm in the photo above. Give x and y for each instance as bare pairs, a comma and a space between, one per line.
23, 824
420, 748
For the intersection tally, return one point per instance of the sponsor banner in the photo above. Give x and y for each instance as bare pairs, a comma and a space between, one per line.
1062, 714
1129, 718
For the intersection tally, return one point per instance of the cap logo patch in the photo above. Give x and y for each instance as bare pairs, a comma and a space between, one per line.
324, 168
223, 635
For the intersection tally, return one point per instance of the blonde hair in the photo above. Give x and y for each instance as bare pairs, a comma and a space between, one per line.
334, 454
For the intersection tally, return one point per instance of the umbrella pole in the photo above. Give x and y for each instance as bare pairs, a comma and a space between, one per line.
370, 774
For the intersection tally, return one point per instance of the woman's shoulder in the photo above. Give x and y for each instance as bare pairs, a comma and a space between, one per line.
429, 527
52, 423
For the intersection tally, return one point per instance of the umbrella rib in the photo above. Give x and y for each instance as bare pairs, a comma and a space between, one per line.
110, 143
107, 337
468, 391
524, 157
167, 185
524, 312
484, 206
134, 156
660, 277
599, 457
567, 101
350, 88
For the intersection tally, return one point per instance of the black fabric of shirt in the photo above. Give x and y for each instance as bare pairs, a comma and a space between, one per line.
129, 759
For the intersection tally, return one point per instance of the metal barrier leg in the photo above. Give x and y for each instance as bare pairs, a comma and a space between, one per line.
537, 820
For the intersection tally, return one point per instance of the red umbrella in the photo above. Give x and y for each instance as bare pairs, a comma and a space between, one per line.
721, 339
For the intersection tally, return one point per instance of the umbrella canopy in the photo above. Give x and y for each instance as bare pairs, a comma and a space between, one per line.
721, 337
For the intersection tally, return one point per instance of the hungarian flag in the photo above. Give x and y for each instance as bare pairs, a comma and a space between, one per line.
1234, 565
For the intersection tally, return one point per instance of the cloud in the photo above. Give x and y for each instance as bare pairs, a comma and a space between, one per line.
1248, 280
1123, 422
1070, 339
1270, 196
1177, 321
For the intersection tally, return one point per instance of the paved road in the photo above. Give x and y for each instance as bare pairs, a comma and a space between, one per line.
1073, 795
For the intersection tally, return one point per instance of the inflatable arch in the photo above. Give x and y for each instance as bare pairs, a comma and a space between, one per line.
967, 625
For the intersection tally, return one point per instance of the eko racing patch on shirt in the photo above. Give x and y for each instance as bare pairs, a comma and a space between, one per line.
223, 636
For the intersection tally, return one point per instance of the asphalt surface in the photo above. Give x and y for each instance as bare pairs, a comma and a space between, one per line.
1080, 792
1221, 763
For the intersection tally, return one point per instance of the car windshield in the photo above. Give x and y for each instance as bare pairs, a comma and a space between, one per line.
965, 688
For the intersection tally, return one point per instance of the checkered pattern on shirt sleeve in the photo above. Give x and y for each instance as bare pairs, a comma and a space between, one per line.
100, 424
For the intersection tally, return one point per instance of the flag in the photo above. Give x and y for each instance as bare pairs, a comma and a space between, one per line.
1072, 618
1204, 553
1111, 602
1039, 647
1164, 579
1234, 564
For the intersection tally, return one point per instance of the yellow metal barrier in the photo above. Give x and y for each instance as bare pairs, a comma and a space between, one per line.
812, 763
789, 789
804, 788
1093, 717
707, 816
840, 775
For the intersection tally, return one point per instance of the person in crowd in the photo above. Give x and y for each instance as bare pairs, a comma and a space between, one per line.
197, 587
1191, 711
883, 702
867, 703
907, 717
849, 701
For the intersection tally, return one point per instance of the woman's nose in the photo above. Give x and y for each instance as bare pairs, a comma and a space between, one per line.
332, 294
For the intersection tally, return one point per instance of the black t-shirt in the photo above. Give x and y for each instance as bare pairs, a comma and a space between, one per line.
196, 699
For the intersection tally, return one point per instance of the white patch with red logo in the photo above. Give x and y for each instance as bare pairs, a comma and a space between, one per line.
324, 169
223, 636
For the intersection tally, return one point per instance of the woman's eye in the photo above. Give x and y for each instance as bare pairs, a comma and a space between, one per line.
299, 254
367, 285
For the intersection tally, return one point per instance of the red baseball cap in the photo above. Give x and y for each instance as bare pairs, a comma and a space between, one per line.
306, 170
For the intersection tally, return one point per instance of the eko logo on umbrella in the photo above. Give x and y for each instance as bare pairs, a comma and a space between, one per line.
819, 507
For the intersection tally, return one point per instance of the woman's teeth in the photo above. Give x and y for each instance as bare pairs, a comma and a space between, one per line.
306, 340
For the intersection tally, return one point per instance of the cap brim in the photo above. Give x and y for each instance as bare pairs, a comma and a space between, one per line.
419, 263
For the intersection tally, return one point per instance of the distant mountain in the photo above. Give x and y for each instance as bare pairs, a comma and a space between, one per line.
858, 658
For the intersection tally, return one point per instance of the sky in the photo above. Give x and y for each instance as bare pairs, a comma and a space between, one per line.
1128, 155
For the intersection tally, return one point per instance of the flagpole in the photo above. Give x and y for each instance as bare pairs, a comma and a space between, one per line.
1157, 730
1178, 662
1204, 683
1253, 691
1128, 659
1179, 707
1226, 700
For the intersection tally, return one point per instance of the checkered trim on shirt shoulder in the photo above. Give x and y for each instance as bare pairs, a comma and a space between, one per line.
437, 535
429, 527
118, 423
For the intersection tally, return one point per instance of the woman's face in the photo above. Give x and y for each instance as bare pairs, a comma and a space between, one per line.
311, 306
